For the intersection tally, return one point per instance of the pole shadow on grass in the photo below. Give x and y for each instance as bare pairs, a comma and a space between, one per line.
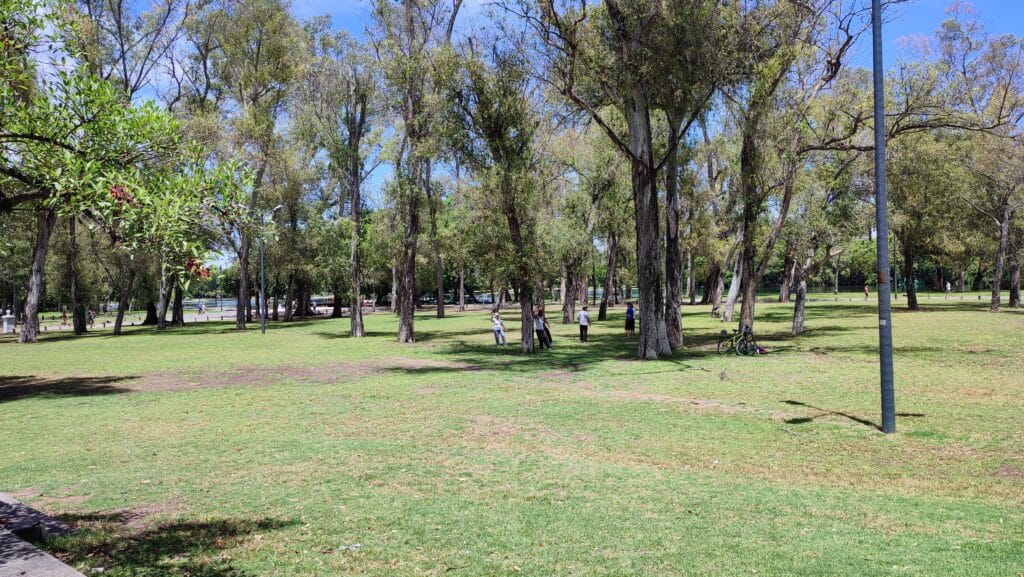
830, 413
18, 387
171, 549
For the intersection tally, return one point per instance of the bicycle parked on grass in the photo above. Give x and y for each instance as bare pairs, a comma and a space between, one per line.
741, 340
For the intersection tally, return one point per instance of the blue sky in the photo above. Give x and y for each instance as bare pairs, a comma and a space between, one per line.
918, 17
915, 18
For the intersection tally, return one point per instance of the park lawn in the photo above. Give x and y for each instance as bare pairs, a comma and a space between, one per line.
207, 452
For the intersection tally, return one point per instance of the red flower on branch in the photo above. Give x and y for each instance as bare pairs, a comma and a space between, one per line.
121, 195
193, 266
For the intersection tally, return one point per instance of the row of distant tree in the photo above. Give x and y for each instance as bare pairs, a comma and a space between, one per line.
685, 150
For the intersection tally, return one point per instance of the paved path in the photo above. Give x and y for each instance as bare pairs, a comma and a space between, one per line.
19, 558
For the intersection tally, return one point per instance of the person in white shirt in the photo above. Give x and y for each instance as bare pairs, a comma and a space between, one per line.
538, 325
499, 330
584, 319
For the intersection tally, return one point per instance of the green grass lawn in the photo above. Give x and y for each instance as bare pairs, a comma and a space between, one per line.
206, 452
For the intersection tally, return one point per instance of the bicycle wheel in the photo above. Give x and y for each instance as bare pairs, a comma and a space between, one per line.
746, 347
723, 342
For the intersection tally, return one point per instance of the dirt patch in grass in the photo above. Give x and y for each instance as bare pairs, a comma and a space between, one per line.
260, 376
142, 516
698, 404
1010, 472
562, 375
131, 518
494, 429
26, 493
62, 503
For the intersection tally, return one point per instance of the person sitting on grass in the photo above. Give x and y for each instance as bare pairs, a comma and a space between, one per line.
499, 329
584, 319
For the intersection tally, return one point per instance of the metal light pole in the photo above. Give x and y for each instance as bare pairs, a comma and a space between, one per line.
882, 224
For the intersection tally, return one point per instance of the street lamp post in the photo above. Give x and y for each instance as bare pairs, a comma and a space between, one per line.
882, 224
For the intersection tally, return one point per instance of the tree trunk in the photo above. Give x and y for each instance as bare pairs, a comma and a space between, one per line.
613, 258
277, 288
436, 239
800, 281
691, 280
162, 300
289, 299
1004, 243
979, 276
336, 306
526, 316
78, 321
407, 263
355, 327
673, 256
710, 282
734, 290
462, 287
30, 329
394, 290
561, 287
356, 127
123, 299
243, 284
788, 272
653, 335
716, 294
961, 277
583, 290
909, 260
150, 319
1015, 278
178, 314
835, 287
254, 295
570, 288
502, 299
302, 302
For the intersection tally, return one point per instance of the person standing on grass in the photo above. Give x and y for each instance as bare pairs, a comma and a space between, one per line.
867, 293
630, 319
499, 330
584, 319
547, 329
541, 329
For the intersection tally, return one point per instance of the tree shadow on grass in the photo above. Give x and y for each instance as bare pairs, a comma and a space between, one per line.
17, 387
829, 413
177, 548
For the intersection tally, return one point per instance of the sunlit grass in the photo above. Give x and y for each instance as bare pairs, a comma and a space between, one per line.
204, 451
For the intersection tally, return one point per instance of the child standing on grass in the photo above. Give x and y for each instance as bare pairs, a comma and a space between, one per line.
630, 320
584, 319
499, 329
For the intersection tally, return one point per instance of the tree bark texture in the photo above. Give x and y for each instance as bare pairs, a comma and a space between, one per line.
30, 329
78, 321
673, 256
613, 258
